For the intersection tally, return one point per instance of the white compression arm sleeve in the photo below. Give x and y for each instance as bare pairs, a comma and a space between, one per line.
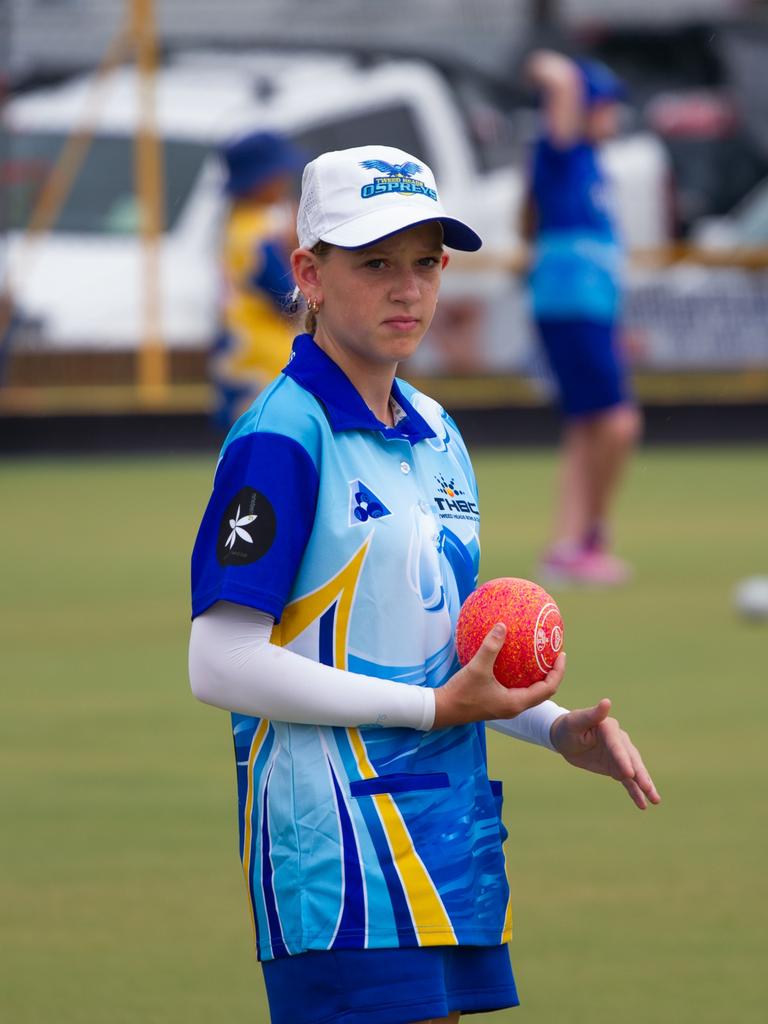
533, 725
232, 665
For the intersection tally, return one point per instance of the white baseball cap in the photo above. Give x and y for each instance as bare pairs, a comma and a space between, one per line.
353, 197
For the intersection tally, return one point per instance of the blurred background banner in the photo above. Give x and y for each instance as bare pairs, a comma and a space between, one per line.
111, 203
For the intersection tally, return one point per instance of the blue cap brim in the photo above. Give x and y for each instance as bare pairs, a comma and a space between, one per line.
456, 235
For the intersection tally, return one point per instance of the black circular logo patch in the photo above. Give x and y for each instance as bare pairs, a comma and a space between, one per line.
247, 529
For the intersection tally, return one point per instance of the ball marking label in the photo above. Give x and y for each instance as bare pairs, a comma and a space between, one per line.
556, 639
544, 645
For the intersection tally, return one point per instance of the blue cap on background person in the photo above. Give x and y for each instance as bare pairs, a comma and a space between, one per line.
601, 85
253, 159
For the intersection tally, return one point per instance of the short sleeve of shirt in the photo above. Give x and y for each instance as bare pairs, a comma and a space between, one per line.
256, 525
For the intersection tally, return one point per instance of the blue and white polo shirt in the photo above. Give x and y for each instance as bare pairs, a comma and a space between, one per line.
362, 541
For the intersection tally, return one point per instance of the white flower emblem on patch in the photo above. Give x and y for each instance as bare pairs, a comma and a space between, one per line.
236, 526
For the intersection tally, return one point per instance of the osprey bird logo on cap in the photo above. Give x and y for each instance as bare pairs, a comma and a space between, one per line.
397, 178
406, 170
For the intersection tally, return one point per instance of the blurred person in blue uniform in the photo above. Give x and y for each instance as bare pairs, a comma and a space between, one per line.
254, 342
575, 282
339, 542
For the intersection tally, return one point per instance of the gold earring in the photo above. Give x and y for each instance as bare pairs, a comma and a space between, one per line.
313, 305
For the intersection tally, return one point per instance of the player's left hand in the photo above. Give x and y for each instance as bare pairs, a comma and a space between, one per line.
588, 738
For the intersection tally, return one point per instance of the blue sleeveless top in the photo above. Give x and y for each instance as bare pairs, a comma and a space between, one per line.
577, 259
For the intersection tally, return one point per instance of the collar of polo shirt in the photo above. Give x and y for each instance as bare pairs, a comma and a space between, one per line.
317, 373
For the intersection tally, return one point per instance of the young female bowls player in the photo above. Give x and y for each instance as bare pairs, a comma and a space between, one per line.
337, 546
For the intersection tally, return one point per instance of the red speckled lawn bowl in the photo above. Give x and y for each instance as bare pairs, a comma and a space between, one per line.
534, 629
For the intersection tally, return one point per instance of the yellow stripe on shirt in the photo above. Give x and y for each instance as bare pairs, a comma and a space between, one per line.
256, 744
430, 919
301, 613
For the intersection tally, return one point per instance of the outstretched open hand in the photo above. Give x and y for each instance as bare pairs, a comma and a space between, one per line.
588, 738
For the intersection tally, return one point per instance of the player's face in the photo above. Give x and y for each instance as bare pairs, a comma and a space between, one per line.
602, 121
377, 302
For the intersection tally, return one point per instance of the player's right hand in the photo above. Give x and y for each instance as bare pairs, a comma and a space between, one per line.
474, 694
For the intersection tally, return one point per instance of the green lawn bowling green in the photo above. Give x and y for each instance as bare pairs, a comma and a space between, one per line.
121, 890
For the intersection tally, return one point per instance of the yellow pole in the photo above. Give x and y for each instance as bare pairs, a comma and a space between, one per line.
153, 368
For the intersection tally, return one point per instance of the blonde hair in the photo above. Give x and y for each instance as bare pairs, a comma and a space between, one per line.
320, 249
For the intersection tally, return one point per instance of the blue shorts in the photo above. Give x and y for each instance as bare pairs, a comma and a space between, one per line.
388, 986
587, 365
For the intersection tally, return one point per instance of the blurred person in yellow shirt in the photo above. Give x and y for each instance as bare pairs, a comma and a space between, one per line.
254, 342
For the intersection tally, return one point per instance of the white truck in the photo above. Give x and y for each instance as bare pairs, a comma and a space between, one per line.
80, 283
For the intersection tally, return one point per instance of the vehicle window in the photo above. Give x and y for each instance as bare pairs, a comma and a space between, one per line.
102, 199
712, 174
651, 60
387, 126
500, 133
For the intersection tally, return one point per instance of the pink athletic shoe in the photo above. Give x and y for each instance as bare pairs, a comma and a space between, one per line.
565, 566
